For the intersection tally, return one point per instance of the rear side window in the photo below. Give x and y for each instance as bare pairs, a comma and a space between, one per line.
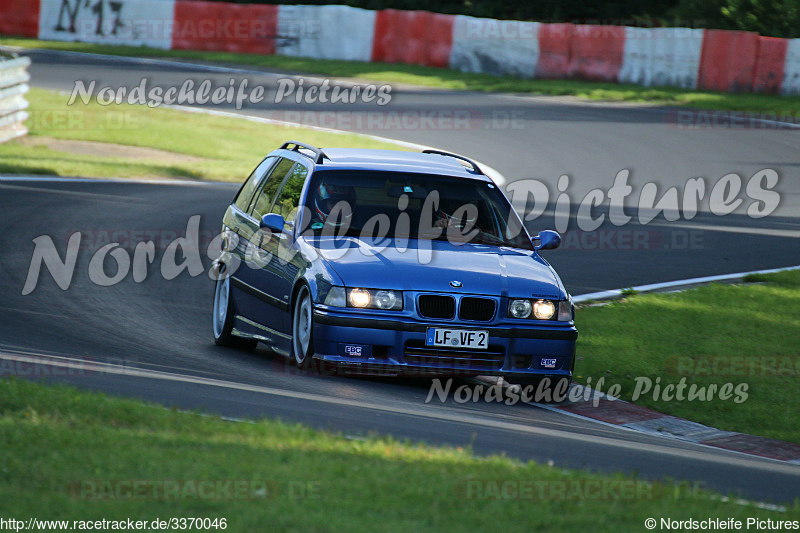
289, 198
266, 196
242, 200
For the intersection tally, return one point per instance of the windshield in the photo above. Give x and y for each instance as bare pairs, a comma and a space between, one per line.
379, 205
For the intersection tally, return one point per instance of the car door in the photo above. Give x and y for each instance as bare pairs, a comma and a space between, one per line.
289, 260
237, 212
236, 221
257, 276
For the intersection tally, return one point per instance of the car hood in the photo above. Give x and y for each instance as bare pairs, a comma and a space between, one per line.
432, 265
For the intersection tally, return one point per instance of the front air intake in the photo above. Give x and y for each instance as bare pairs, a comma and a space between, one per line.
435, 306
478, 309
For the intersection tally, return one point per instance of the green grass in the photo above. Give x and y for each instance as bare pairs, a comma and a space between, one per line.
450, 79
227, 148
58, 443
697, 335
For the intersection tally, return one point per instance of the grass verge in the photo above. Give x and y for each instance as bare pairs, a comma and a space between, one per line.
72, 455
63, 141
740, 334
443, 78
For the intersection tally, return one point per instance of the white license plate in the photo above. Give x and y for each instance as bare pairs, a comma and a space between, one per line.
458, 338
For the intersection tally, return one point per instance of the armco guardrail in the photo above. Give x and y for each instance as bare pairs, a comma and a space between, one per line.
14, 79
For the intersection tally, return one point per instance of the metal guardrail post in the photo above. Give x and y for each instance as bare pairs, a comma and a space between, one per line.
14, 79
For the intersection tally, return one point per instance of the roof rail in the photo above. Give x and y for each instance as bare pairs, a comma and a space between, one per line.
319, 155
473, 164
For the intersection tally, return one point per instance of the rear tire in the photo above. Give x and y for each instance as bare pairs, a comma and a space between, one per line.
303, 329
222, 320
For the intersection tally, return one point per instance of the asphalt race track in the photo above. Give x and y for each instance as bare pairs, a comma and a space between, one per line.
161, 329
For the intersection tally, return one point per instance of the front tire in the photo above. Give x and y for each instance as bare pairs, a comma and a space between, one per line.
303, 329
222, 320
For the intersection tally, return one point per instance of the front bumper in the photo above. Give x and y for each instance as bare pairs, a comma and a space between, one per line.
383, 344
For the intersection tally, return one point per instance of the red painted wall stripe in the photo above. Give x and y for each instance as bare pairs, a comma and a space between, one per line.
413, 37
597, 52
728, 60
19, 17
770, 62
554, 50
218, 26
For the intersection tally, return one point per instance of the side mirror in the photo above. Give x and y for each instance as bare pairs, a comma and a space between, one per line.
273, 222
548, 240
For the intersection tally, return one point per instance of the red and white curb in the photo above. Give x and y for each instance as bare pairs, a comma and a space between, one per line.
623, 414
605, 409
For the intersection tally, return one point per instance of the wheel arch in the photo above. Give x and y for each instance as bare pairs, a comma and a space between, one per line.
299, 284
319, 277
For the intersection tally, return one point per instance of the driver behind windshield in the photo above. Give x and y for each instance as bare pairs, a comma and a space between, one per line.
325, 198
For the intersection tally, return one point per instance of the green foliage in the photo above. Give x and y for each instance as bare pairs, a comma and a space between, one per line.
774, 18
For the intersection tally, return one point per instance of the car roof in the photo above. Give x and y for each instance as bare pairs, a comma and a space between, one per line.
396, 161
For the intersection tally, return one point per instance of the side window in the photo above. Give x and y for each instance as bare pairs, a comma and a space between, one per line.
242, 200
266, 196
289, 198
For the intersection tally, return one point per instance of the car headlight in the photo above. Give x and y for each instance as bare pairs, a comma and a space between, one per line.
540, 309
359, 298
387, 300
544, 309
520, 309
375, 299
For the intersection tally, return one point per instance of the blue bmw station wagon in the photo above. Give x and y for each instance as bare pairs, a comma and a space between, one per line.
392, 262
